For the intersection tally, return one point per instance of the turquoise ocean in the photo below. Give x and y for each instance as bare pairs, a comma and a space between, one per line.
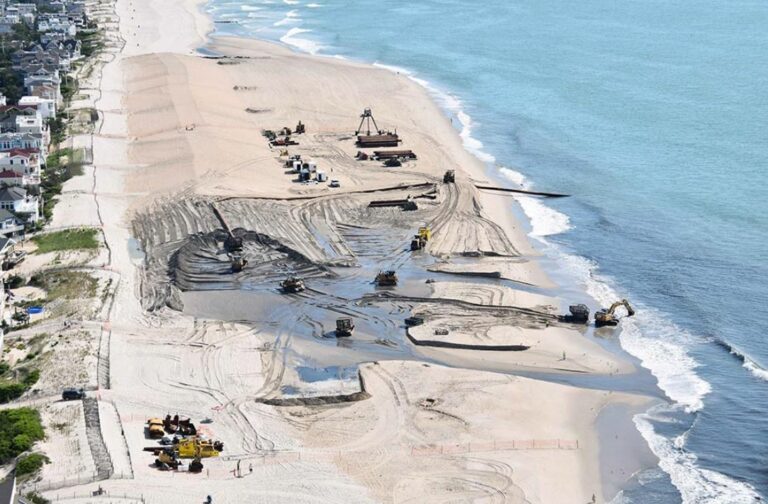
654, 116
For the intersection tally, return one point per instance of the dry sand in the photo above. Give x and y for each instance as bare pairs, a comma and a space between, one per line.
174, 136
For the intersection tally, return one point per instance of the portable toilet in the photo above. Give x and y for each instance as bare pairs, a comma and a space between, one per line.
304, 174
312, 166
297, 166
321, 176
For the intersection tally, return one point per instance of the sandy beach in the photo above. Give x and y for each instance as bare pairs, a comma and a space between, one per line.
392, 414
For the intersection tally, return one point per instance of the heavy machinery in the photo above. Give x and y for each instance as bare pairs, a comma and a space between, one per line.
449, 177
393, 162
178, 425
386, 278
292, 285
608, 318
300, 128
379, 138
155, 428
194, 447
166, 460
344, 327
579, 314
420, 239
237, 261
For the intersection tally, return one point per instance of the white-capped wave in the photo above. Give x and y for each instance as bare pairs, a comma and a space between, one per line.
545, 220
314, 5
291, 2
747, 362
249, 8
302, 44
696, 484
290, 17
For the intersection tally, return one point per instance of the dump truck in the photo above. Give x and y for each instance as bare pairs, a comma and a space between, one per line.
292, 285
386, 278
155, 428
608, 317
344, 327
449, 177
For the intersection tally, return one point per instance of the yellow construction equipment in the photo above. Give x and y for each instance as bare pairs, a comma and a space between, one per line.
420, 239
155, 428
194, 447
608, 317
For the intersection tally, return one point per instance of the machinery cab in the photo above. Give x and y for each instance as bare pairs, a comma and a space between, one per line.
292, 284
449, 177
386, 278
344, 327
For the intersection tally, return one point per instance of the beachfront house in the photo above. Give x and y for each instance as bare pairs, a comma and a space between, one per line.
20, 203
46, 107
10, 225
10, 113
23, 141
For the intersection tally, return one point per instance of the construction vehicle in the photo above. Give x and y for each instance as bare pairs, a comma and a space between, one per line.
344, 327
386, 278
449, 177
179, 425
194, 447
414, 321
300, 128
166, 460
579, 314
292, 285
393, 162
237, 261
608, 318
420, 239
155, 428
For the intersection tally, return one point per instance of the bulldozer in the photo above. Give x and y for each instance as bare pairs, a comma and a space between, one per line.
166, 460
301, 128
386, 278
344, 327
292, 285
237, 261
420, 239
608, 318
449, 177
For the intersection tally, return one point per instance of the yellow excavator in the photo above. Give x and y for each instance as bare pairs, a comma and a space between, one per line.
608, 318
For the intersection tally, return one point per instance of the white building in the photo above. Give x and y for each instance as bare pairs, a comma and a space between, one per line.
45, 107
18, 201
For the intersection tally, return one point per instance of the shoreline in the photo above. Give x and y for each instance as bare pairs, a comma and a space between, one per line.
142, 176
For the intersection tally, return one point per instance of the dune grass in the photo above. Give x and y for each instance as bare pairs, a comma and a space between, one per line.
69, 239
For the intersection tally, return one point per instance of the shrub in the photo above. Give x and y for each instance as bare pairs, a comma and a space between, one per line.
19, 428
71, 239
11, 391
36, 498
31, 463
15, 281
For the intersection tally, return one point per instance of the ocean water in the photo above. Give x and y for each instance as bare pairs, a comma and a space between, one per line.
654, 116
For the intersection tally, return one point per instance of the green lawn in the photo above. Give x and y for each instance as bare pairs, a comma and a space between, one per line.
70, 239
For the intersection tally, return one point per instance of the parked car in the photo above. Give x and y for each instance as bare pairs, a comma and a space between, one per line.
335, 183
72, 394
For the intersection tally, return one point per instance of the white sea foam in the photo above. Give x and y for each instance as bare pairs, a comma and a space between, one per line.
302, 44
756, 369
249, 8
696, 485
290, 17
291, 2
314, 5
